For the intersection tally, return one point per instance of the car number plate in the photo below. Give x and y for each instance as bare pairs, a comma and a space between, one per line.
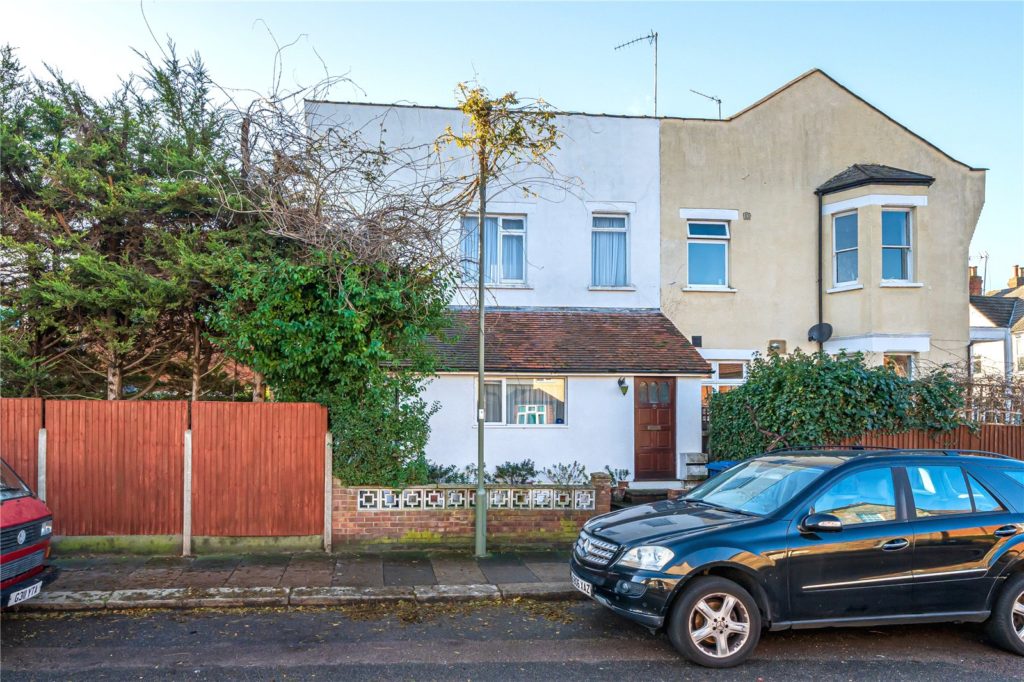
24, 595
582, 585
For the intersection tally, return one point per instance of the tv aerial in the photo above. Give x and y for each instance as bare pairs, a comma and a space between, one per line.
713, 99
652, 39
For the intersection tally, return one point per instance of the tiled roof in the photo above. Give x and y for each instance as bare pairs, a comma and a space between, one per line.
570, 340
873, 174
1001, 311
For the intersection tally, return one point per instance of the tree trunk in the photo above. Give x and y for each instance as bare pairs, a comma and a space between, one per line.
115, 381
259, 388
197, 367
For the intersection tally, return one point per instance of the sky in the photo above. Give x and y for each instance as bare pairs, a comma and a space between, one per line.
952, 72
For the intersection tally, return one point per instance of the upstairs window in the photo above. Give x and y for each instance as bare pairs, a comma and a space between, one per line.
608, 257
504, 249
844, 249
707, 254
896, 260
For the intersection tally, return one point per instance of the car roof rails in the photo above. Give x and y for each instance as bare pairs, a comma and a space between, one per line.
946, 452
796, 449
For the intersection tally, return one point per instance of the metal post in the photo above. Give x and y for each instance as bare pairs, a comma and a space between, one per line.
653, 33
186, 510
328, 489
481, 492
41, 465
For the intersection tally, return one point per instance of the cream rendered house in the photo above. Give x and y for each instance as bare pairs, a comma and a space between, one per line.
813, 206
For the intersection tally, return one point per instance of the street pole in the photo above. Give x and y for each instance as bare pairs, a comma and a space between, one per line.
481, 491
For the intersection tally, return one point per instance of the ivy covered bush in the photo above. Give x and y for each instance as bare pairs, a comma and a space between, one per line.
818, 399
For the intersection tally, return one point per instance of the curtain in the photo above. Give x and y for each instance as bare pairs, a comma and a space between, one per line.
512, 256
535, 401
608, 258
492, 401
471, 249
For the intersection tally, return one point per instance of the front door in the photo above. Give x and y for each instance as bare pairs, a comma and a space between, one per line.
654, 428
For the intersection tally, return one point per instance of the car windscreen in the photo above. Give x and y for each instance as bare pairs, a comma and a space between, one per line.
10, 485
760, 486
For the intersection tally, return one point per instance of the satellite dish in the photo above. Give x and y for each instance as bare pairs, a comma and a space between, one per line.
820, 333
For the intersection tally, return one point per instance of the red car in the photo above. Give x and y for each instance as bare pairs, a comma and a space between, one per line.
25, 529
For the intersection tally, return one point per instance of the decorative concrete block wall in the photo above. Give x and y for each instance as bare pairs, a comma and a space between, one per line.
445, 514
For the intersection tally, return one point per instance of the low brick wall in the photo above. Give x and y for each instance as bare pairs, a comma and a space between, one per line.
445, 514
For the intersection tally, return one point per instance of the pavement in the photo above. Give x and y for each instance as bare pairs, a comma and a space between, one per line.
480, 640
300, 579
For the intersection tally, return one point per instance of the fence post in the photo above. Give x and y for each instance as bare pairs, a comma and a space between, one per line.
186, 509
328, 489
41, 465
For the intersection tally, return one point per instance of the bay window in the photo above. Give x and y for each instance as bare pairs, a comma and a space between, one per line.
844, 249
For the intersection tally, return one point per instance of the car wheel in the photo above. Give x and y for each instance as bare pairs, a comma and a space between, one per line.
1006, 624
715, 623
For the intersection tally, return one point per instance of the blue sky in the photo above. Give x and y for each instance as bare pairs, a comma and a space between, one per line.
952, 72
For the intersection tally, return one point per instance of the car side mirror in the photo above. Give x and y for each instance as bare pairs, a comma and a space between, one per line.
821, 523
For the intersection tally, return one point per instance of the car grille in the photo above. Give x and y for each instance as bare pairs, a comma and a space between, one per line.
9, 536
594, 551
9, 569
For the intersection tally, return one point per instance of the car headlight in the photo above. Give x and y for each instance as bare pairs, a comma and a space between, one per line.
46, 528
647, 557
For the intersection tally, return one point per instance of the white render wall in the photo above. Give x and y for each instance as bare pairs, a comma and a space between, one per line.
617, 161
598, 429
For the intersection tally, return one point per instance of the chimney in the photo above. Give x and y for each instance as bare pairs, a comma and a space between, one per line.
1018, 277
975, 281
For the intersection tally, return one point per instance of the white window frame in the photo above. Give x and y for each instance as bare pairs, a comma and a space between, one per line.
626, 231
501, 280
835, 252
503, 380
911, 361
909, 247
702, 239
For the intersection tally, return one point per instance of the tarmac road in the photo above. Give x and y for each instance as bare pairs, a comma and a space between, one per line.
524, 641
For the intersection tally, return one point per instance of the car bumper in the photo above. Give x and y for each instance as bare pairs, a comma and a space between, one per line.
46, 576
639, 596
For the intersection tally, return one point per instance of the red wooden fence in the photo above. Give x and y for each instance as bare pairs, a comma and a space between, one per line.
20, 421
115, 467
1005, 440
258, 468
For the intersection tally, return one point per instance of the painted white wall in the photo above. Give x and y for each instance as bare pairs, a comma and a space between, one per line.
598, 431
617, 163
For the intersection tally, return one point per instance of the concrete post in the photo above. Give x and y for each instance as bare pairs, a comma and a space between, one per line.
186, 508
328, 489
41, 465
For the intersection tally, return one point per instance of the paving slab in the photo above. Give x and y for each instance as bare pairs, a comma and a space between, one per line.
236, 596
401, 571
155, 598
549, 571
506, 568
359, 572
457, 571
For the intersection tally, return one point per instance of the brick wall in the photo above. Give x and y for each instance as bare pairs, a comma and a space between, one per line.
418, 524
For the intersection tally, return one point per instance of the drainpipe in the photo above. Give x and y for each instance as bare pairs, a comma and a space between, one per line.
821, 301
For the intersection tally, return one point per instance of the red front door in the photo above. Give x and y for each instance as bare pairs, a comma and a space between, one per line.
654, 432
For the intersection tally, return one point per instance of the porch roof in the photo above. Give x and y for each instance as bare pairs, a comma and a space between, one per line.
570, 340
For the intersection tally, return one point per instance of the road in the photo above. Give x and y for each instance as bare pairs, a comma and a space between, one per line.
525, 641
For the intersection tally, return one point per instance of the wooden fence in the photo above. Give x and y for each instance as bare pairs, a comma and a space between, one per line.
119, 467
1005, 440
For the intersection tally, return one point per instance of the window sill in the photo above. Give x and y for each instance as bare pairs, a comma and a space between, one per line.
600, 287
530, 427
472, 287
845, 287
900, 284
720, 290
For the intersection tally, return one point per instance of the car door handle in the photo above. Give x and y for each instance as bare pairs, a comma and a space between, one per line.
895, 545
1006, 531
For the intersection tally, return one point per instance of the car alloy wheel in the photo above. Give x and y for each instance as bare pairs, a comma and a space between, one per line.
719, 625
1006, 624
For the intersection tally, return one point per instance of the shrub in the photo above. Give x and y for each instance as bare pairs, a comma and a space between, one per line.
514, 473
618, 475
567, 474
820, 399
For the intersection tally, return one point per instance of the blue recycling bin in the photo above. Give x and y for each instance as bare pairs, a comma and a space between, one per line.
715, 468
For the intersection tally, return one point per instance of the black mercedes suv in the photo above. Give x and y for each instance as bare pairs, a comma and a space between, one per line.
824, 537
